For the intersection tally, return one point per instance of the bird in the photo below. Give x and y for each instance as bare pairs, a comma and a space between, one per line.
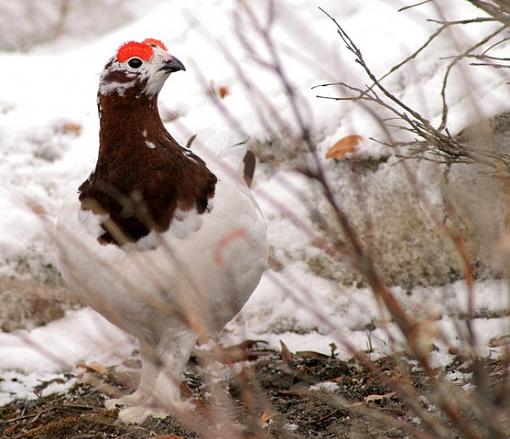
162, 243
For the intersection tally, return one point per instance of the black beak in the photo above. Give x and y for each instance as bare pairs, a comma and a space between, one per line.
174, 65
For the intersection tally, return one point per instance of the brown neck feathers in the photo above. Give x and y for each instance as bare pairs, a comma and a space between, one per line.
142, 175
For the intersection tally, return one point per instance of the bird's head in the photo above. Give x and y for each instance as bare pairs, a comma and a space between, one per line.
138, 68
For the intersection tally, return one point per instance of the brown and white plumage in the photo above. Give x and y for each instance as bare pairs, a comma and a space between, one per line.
162, 244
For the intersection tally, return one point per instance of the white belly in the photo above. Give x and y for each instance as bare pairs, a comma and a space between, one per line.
203, 276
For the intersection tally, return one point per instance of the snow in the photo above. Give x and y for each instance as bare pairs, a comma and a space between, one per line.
28, 358
327, 386
56, 82
291, 427
22, 385
62, 344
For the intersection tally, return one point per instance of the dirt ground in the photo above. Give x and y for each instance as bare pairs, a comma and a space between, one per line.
284, 401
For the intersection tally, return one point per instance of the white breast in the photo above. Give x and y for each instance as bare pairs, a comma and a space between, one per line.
209, 263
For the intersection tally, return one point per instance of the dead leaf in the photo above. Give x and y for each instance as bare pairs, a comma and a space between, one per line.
244, 351
71, 128
9, 430
266, 416
311, 355
223, 91
36, 208
344, 146
300, 390
93, 367
372, 398
186, 392
499, 341
201, 407
168, 436
287, 355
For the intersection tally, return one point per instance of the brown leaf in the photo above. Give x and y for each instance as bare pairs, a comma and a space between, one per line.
311, 355
343, 147
223, 91
9, 430
499, 341
93, 367
72, 128
35, 207
287, 355
453, 350
201, 407
168, 436
186, 392
300, 390
244, 351
266, 416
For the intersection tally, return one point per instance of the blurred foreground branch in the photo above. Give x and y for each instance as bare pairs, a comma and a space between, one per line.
438, 141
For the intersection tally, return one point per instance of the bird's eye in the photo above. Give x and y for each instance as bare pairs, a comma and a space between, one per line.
135, 63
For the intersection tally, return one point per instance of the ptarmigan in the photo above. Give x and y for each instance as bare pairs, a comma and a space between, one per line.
160, 243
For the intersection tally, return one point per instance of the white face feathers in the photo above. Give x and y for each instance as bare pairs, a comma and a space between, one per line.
145, 65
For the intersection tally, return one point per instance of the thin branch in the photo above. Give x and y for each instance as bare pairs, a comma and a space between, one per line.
405, 8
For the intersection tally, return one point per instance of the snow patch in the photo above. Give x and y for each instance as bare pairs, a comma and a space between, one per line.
80, 336
326, 386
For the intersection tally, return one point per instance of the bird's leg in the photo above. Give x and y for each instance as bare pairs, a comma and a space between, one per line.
174, 355
163, 395
148, 376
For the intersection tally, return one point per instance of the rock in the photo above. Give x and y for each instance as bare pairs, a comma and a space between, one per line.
27, 304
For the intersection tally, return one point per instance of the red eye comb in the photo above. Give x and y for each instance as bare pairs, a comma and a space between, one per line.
133, 48
154, 42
